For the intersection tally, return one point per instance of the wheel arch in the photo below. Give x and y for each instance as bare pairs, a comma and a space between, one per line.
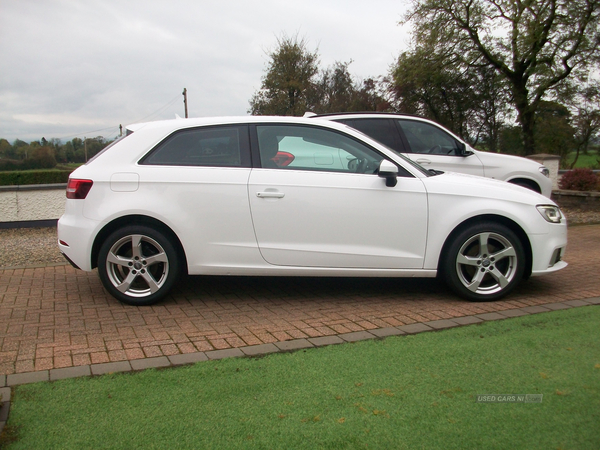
527, 183
137, 220
512, 225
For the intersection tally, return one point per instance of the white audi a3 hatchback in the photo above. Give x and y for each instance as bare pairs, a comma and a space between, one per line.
294, 197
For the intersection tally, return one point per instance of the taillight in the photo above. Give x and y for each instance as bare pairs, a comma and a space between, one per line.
78, 189
283, 159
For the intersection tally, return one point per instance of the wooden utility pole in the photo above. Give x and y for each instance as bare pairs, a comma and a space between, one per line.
185, 101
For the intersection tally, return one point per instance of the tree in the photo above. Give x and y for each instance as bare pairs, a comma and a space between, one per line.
6, 149
294, 84
338, 91
288, 87
335, 89
428, 81
584, 102
553, 130
533, 45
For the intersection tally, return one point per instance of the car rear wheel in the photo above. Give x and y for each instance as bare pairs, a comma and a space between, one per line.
484, 262
138, 265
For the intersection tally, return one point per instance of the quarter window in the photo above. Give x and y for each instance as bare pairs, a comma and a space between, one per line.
223, 146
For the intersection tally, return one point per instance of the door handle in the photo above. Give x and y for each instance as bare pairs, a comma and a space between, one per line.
423, 161
270, 194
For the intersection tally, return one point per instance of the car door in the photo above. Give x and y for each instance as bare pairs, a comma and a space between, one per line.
434, 148
328, 207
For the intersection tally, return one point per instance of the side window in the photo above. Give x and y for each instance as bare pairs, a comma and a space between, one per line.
382, 130
311, 148
221, 146
426, 138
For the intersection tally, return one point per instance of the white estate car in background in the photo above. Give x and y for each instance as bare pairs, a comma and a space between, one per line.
294, 197
434, 147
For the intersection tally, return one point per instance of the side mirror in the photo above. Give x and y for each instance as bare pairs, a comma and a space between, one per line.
462, 150
389, 171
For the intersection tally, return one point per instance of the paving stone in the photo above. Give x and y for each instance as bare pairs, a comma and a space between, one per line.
187, 358
112, 367
356, 336
535, 309
262, 349
513, 313
557, 306
388, 331
28, 377
415, 328
441, 324
222, 354
149, 363
2, 380
5, 394
593, 301
70, 372
325, 340
490, 316
577, 303
467, 320
295, 344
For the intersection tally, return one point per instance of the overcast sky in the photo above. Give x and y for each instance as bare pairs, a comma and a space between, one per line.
82, 67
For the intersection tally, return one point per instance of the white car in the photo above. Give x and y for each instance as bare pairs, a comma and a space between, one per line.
294, 197
434, 147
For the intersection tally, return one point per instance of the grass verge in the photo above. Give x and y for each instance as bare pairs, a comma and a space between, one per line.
403, 392
591, 160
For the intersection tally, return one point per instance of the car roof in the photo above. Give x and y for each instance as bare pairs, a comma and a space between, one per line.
177, 124
365, 114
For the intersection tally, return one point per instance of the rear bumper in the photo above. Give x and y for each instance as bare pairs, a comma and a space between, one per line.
76, 238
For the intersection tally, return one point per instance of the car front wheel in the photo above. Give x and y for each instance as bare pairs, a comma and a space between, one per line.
138, 265
484, 262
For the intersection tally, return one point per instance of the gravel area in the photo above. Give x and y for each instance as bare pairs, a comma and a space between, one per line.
26, 247
29, 247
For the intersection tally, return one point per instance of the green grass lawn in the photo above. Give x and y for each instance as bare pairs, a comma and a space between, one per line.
402, 392
586, 161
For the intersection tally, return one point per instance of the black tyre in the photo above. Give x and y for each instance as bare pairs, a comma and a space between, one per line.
138, 265
484, 262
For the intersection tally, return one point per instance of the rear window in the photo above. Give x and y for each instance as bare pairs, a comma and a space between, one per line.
223, 146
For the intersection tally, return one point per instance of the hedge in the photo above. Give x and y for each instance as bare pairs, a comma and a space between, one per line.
23, 177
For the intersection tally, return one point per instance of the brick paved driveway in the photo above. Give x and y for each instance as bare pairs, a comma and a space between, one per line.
58, 317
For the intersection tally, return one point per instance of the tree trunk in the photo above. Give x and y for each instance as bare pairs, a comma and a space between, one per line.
527, 125
526, 117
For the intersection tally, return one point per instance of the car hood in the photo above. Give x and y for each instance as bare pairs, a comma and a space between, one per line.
493, 161
458, 184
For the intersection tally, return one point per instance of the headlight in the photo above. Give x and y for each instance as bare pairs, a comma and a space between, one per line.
544, 171
551, 213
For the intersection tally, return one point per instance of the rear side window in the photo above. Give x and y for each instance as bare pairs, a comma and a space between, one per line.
222, 146
382, 130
